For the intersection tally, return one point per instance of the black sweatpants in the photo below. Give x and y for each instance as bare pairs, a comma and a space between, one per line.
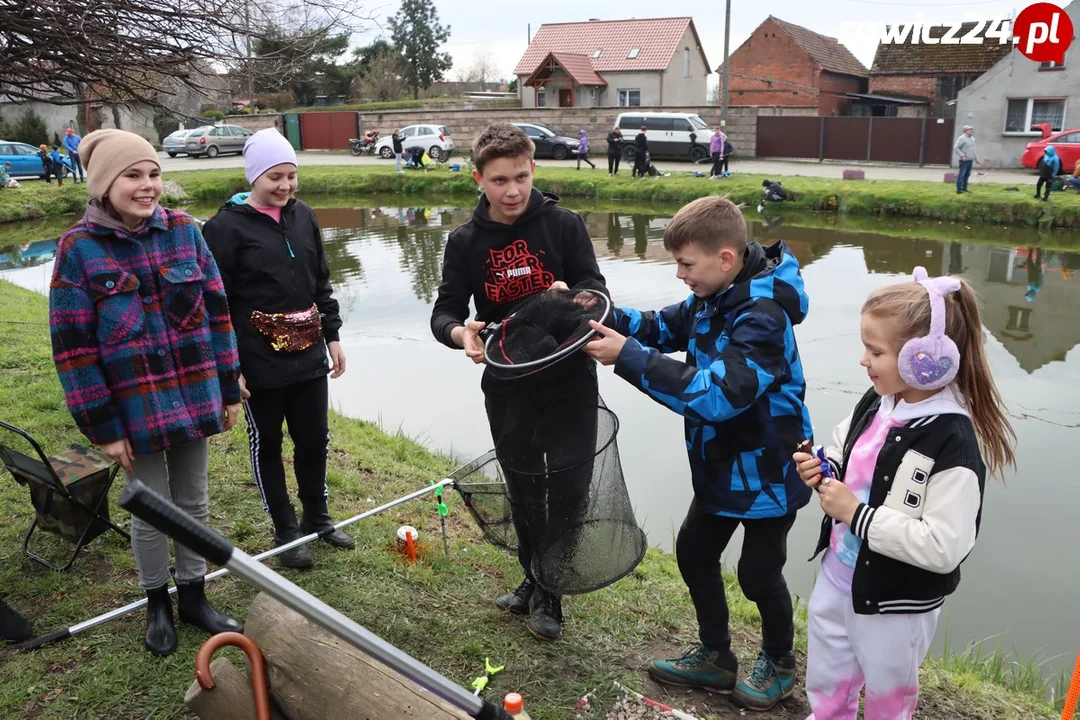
717, 164
550, 428
613, 163
701, 543
641, 165
303, 406
1039, 186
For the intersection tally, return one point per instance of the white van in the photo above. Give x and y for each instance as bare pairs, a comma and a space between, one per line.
684, 136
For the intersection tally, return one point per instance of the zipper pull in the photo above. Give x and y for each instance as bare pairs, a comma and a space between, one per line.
289, 245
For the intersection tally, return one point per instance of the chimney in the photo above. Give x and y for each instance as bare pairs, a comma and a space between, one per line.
594, 19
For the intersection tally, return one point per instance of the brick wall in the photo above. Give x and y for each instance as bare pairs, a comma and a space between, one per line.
466, 125
833, 100
770, 69
915, 85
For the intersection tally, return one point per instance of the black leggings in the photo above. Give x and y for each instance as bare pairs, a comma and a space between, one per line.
613, 162
699, 547
303, 406
717, 163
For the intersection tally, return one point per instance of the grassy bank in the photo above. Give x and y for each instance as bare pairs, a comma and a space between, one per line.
438, 610
986, 204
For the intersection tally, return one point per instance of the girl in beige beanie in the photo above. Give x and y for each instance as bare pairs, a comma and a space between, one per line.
145, 351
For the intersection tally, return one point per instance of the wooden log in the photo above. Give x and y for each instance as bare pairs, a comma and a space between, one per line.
316, 675
231, 699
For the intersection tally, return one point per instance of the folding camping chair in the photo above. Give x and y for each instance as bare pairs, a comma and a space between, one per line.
69, 491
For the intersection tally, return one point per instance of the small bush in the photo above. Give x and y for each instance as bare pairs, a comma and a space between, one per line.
214, 115
30, 129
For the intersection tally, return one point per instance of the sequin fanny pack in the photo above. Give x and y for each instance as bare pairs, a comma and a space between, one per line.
292, 331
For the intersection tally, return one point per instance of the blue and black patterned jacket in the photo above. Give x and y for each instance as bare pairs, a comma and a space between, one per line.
741, 388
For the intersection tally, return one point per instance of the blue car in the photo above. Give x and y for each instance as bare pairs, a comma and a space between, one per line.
25, 161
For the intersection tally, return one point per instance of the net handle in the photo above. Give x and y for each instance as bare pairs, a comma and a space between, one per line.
492, 331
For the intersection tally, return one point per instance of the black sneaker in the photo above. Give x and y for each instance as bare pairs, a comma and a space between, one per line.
517, 601
545, 615
298, 558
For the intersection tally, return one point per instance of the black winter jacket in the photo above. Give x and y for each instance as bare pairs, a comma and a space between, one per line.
273, 267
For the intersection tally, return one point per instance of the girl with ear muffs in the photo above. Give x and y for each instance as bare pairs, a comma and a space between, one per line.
902, 490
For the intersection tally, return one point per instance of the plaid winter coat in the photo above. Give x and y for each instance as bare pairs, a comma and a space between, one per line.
141, 334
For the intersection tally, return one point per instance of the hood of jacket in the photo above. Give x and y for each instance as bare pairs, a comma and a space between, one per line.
768, 272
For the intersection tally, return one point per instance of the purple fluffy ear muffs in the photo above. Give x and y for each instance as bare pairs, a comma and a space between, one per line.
932, 361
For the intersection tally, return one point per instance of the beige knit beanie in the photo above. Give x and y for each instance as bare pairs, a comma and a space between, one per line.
107, 153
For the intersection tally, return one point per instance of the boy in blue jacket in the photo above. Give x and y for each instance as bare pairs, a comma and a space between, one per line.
741, 392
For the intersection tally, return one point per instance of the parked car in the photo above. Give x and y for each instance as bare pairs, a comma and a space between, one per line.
669, 134
25, 161
1066, 143
548, 142
176, 142
212, 141
436, 138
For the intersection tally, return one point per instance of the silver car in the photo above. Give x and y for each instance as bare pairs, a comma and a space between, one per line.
175, 143
212, 141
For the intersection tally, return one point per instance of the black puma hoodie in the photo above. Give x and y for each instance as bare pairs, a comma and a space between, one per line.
496, 266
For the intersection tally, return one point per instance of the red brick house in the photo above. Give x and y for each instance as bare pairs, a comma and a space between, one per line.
925, 77
782, 64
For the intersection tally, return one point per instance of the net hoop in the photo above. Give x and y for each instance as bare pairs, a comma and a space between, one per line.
494, 334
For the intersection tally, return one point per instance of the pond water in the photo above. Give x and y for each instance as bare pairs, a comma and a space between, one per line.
386, 258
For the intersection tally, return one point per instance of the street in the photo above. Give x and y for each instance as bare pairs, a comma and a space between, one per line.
762, 167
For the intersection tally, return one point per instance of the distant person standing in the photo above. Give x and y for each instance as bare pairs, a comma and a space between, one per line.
71, 144
965, 152
641, 154
716, 150
583, 150
396, 139
614, 151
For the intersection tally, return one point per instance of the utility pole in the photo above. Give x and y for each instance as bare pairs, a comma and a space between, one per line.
724, 79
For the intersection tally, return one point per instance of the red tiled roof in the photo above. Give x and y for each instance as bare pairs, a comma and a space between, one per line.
656, 38
825, 51
578, 67
920, 58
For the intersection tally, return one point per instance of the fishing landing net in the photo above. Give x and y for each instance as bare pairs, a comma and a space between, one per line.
562, 502
546, 328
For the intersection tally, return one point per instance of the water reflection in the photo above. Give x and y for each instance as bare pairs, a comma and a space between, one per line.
385, 262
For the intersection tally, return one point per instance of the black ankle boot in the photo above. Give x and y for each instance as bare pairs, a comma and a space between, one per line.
317, 519
194, 609
160, 630
13, 626
545, 615
517, 601
285, 531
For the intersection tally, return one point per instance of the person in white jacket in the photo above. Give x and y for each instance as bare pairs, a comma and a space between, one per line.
902, 489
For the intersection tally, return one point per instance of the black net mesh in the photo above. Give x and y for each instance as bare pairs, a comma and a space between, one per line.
576, 527
545, 328
483, 490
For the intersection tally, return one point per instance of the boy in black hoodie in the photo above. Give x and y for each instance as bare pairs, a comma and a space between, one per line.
519, 242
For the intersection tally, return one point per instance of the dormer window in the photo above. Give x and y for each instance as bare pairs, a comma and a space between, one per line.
633, 53
596, 53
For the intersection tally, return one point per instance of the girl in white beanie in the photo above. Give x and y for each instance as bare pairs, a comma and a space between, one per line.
146, 354
269, 248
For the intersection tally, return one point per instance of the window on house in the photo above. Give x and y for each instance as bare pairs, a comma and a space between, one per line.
596, 53
633, 53
1052, 65
540, 100
629, 98
686, 62
1022, 113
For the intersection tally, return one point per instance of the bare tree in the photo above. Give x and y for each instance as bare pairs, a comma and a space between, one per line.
67, 51
480, 73
383, 80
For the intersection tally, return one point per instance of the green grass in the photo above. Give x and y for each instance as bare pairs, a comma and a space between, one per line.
987, 204
439, 610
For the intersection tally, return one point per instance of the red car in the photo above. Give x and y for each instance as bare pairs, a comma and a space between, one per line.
1066, 143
